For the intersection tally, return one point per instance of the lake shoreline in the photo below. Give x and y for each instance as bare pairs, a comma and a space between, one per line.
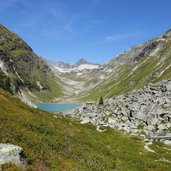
58, 107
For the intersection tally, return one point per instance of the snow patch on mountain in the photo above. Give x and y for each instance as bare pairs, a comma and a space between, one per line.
62, 69
86, 66
79, 68
80, 65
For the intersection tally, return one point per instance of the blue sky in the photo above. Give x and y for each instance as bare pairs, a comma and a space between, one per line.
97, 30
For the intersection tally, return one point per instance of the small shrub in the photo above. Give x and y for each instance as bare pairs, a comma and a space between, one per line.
101, 101
39, 166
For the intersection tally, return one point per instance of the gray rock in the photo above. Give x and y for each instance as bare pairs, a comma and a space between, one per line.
149, 128
10, 154
154, 121
167, 142
111, 121
85, 120
168, 125
162, 127
160, 111
168, 86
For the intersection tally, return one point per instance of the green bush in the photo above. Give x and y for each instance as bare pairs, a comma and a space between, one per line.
101, 101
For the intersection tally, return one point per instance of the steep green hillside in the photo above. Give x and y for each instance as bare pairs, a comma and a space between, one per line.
61, 143
137, 67
21, 68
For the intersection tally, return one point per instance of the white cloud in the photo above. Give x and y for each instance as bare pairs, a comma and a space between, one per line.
109, 39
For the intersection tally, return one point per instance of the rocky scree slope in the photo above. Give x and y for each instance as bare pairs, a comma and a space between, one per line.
22, 71
147, 110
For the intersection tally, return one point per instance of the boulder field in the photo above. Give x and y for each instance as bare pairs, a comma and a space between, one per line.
147, 110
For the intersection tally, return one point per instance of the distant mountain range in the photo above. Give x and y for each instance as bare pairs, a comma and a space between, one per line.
29, 76
80, 65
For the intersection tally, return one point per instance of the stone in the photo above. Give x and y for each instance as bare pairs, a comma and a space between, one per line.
162, 127
141, 117
168, 125
160, 111
168, 134
125, 118
168, 86
10, 153
150, 127
134, 130
111, 121
167, 142
85, 121
154, 121
166, 105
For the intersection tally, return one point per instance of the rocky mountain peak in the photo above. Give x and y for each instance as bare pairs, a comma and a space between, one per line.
167, 34
63, 65
80, 62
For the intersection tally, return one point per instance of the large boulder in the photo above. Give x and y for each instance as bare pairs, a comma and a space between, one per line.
112, 121
162, 127
10, 154
154, 121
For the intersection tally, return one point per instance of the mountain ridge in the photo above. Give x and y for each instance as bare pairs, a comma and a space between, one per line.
81, 64
22, 70
135, 67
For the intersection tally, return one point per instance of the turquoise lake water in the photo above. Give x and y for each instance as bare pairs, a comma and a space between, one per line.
57, 107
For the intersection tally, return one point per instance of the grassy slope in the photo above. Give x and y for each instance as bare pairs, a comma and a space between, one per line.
64, 144
54, 90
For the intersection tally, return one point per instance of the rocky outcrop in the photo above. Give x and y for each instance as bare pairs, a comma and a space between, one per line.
146, 110
11, 154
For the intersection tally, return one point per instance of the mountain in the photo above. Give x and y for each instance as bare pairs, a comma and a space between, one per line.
80, 62
149, 62
56, 142
146, 63
22, 72
62, 65
74, 79
80, 65
84, 65
30, 77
